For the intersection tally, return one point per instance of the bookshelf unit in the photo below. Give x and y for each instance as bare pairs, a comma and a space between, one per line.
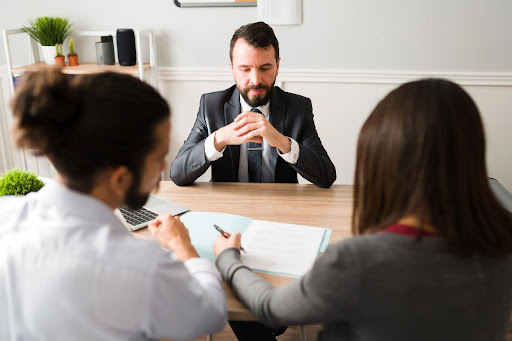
140, 70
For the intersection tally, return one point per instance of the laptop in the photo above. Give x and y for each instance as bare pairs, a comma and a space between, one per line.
137, 219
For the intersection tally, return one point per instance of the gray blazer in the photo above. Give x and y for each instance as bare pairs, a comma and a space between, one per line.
385, 286
290, 114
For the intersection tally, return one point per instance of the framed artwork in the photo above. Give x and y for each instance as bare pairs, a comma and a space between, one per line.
215, 3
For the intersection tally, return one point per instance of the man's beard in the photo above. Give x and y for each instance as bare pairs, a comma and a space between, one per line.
257, 101
134, 199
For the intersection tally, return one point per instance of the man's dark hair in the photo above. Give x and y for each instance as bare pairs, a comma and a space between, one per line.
421, 152
87, 124
257, 34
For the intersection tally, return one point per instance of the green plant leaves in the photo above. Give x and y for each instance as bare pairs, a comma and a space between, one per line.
48, 31
19, 182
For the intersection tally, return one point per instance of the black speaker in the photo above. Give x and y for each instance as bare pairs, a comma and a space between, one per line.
126, 47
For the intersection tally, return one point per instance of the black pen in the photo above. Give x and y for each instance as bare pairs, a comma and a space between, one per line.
226, 235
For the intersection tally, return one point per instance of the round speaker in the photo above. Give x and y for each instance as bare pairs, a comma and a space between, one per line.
126, 47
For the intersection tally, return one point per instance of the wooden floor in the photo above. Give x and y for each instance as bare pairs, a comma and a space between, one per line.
289, 335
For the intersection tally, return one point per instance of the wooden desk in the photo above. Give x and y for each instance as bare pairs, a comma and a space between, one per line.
286, 203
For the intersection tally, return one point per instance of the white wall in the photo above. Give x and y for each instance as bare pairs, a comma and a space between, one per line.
341, 104
345, 57
433, 35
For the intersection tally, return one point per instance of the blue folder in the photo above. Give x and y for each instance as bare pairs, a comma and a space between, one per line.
202, 232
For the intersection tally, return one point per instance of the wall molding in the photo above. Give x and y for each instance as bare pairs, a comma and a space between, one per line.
333, 76
341, 76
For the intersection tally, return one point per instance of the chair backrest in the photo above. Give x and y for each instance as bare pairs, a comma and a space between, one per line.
503, 195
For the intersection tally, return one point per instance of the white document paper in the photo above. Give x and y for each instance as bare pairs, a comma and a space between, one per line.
281, 248
280, 12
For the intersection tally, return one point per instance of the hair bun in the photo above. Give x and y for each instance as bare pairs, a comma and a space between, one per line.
44, 105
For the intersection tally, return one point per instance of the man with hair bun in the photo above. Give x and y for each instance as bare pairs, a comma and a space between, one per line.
69, 269
254, 131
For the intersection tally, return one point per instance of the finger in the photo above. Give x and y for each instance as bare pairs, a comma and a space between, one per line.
219, 239
256, 139
242, 115
163, 218
247, 120
250, 114
178, 224
153, 224
158, 219
238, 124
236, 238
153, 227
247, 128
254, 133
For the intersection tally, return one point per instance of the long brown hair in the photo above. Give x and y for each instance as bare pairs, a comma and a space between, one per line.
422, 152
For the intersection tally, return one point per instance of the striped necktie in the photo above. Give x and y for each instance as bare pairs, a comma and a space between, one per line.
254, 151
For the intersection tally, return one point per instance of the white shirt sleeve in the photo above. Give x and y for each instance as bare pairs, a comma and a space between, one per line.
211, 153
186, 300
293, 155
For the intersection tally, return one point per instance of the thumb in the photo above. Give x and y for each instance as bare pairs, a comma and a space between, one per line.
153, 227
236, 238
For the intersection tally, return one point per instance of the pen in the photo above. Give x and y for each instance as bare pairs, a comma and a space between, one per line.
226, 235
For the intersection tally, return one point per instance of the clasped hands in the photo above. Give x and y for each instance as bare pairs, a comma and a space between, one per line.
251, 127
170, 232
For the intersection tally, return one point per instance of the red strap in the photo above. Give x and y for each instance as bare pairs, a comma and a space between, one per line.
407, 230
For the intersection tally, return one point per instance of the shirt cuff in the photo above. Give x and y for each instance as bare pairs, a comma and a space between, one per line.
211, 153
198, 265
293, 155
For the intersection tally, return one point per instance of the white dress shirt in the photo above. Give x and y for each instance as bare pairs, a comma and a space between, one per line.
267, 172
69, 270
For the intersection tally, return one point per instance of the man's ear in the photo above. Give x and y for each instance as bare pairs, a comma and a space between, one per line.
119, 180
278, 62
231, 67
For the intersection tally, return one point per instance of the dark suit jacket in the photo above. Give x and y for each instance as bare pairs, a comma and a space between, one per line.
290, 114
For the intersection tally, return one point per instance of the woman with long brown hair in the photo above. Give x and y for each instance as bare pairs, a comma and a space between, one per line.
431, 256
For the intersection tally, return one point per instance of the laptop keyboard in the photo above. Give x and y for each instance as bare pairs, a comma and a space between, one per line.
136, 217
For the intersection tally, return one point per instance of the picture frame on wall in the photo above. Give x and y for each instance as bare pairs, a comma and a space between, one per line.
215, 3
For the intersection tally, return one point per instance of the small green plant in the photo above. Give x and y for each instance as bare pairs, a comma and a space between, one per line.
48, 31
19, 182
58, 50
72, 51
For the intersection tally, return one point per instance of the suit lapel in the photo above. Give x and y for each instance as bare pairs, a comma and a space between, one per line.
277, 119
231, 111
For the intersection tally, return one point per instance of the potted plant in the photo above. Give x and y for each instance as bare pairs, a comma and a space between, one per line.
48, 31
59, 57
72, 56
19, 182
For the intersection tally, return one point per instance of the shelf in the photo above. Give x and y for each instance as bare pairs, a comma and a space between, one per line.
86, 68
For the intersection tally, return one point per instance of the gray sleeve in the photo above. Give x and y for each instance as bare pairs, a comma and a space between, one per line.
504, 197
328, 292
191, 162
